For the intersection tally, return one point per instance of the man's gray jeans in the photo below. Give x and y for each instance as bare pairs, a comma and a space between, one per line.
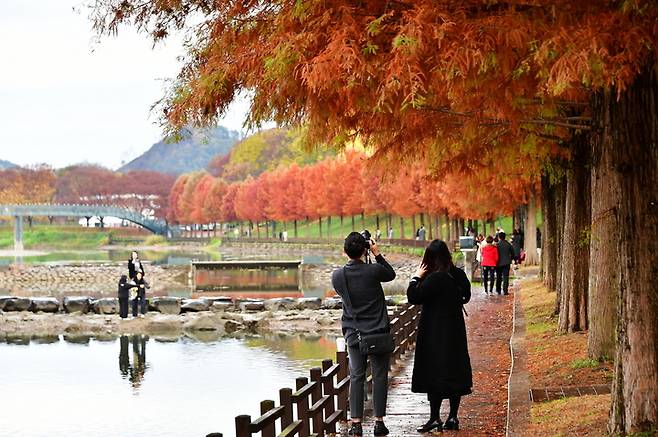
380, 364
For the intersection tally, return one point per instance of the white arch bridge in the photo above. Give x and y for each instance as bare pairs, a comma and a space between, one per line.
156, 226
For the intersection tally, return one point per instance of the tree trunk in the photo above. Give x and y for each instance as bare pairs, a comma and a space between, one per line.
377, 221
413, 225
437, 226
604, 245
363, 220
492, 227
320, 225
530, 239
353, 224
430, 229
548, 240
329, 227
630, 122
560, 199
401, 227
295, 224
575, 255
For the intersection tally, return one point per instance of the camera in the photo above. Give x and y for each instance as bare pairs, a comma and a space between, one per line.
366, 234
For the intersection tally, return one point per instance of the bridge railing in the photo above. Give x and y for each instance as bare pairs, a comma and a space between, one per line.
79, 210
320, 402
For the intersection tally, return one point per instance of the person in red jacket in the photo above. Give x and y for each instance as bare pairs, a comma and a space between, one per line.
489, 261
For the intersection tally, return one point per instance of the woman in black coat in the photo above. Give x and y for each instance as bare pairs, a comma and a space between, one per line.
124, 292
442, 367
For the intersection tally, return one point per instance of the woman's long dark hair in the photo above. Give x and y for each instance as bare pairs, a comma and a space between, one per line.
437, 258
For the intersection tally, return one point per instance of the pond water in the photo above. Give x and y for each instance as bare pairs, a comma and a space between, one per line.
135, 386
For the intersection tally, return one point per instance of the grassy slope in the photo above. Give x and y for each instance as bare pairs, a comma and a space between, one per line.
311, 229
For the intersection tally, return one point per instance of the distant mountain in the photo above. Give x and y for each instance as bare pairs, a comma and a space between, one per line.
192, 151
6, 164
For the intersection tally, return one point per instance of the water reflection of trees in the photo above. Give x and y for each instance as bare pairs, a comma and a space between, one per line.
135, 369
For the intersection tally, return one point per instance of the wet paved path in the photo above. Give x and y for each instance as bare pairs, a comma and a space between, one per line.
483, 413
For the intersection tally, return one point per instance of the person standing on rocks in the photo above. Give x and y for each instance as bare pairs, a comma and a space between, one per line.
442, 366
135, 265
140, 299
365, 319
124, 292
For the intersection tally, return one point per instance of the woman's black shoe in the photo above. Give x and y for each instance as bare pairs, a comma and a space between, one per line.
356, 429
380, 428
431, 425
452, 424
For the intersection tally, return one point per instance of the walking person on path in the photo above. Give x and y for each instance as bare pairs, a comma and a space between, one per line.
505, 257
364, 314
516, 245
442, 366
489, 262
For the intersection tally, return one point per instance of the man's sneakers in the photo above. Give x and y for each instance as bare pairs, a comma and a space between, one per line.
356, 429
380, 428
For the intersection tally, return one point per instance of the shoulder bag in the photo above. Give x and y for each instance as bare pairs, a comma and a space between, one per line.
369, 344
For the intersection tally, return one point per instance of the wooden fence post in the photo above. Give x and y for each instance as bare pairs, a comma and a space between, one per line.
316, 395
242, 426
269, 430
285, 398
302, 409
341, 358
329, 389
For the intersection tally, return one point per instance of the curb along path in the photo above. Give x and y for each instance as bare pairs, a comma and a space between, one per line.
483, 413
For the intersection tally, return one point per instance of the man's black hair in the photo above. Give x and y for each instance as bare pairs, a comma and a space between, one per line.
502, 235
355, 244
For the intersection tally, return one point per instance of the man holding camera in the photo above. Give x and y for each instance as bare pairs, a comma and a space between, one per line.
365, 325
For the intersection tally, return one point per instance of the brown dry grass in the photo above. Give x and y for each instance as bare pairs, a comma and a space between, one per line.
556, 359
584, 416
561, 360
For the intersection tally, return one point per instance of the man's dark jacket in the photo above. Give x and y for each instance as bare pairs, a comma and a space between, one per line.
366, 296
505, 253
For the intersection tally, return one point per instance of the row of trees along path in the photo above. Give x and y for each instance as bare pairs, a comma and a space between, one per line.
347, 186
565, 92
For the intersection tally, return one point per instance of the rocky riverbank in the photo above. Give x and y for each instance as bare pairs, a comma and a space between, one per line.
172, 316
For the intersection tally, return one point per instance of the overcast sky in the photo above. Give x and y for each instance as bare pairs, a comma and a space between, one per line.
65, 99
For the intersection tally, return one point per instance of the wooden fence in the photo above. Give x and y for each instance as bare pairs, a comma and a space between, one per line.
320, 402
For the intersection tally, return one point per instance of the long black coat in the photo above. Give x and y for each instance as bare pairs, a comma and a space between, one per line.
442, 365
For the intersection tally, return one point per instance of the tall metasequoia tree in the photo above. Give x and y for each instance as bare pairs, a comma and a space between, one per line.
530, 239
630, 120
604, 240
575, 252
447, 80
549, 243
